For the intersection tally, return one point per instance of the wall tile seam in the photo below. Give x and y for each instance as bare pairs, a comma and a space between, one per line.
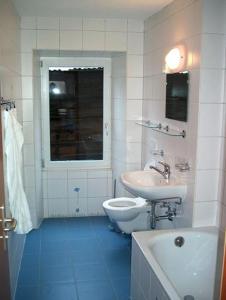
215, 103
29, 52
120, 99
74, 179
222, 69
209, 169
119, 77
83, 30
51, 30
202, 103
14, 72
35, 27
15, 98
132, 77
82, 25
131, 100
155, 76
209, 200
130, 122
135, 99
84, 197
132, 54
94, 30
59, 40
154, 100
211, 136
220, 138
73, 169
212, 33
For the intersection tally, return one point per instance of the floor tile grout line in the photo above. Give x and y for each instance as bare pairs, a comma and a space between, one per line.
111, 283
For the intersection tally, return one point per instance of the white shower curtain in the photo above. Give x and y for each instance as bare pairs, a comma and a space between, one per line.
13, 149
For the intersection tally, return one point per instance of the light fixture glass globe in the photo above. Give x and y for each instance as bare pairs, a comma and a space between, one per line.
173, 59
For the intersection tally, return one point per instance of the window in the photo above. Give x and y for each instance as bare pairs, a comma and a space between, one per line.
76, 110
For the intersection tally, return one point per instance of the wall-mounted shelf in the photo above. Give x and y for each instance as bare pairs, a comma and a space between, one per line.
162, 129
149, 124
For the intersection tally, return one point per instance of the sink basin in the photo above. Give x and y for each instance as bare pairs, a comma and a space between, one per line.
151, 185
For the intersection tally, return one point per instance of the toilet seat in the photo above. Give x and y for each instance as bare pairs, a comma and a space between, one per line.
124, 209
124, 203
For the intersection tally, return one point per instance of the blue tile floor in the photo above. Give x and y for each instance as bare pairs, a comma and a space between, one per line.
75, 259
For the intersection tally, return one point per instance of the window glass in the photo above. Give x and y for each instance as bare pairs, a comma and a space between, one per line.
76, 113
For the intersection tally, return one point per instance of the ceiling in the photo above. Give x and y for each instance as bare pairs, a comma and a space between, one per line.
135, 9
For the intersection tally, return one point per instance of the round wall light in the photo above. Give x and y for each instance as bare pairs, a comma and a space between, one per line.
175, 59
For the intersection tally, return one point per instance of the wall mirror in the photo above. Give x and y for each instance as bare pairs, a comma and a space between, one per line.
177, 86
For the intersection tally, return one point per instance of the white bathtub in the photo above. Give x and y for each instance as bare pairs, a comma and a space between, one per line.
181, 271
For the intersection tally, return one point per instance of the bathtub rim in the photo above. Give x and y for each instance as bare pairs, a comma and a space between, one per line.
142, 240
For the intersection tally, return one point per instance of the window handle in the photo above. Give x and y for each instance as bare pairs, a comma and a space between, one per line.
106, 126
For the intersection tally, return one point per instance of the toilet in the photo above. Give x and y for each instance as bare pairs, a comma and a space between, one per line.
129, 214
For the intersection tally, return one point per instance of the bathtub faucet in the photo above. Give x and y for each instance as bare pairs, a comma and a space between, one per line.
166, 172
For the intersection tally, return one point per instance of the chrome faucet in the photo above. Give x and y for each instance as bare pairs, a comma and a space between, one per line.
166, 172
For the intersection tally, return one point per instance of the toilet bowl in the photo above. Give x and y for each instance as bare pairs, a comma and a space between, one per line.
130, 214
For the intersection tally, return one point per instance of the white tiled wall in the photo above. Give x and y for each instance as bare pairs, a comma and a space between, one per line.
91, 34
105, 37
76, 193
118, 119
193, 23
171, 26
126, 109
10, 88
210, 142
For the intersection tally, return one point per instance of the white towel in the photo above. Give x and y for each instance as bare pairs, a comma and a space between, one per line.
13, 148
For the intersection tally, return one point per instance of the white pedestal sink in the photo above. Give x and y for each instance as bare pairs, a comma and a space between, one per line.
151, 185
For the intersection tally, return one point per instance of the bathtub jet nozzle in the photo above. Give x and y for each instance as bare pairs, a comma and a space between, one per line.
179, 241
